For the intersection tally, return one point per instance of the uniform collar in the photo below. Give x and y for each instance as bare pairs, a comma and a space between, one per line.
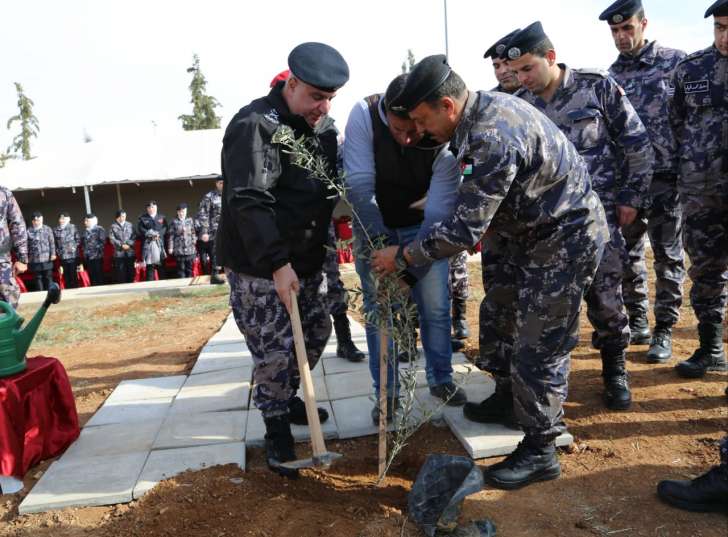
647, 55
467, 120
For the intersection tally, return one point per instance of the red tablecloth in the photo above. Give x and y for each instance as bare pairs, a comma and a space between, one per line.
38, 418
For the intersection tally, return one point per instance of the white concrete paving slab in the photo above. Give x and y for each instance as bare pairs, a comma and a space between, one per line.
225, 339
210, 359
168, 463
214, 392
254, 435
116, 439
131, 411
85, 481
333, 365
202, 429
359, 340
353, 416
237, 348
352, 384
150, 388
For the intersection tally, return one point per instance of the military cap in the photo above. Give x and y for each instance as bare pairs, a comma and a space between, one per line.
620, 11
319, 65
719, 9
36, 214
498, 48
525, 41
181, 206
425, 78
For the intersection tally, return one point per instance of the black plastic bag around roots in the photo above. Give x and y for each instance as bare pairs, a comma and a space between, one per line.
437, 495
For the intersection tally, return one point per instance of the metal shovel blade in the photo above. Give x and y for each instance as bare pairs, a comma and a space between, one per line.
322, 461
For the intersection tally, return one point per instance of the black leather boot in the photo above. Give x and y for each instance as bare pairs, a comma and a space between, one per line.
215, 278
708, 492
531, 461
498, 408
709, 356
279, 445
617, 395
661, 345
345, 347
459, 324
297, 412
639, 329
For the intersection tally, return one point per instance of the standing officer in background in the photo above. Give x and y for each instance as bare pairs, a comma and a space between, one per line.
67, 241
521, 179
13, 236
208, 220
699, 118
122, 237
506, 77
181, 240
41, 252
151, 228
273, 234
596, 116
92, 242
644, 69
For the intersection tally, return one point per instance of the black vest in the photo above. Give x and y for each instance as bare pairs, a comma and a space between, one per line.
403, 173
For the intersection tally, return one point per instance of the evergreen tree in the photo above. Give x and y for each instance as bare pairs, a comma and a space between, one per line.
203, 105
410, 63
20, 147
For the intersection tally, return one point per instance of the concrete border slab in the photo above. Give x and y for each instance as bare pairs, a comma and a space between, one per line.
255, 432
202, 429
131, 412
149, 388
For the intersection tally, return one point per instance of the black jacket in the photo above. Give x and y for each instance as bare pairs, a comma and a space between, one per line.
273, 212
147, 223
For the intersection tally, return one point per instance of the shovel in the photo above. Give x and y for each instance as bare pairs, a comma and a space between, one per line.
321, 458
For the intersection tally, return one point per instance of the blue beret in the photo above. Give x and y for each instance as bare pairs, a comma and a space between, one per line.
425, 78
319, 65
719, 9
620, 11
525, 41
499, 47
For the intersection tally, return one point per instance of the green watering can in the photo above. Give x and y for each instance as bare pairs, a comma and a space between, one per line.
14, 342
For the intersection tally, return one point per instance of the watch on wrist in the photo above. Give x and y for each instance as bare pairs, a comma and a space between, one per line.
399, 260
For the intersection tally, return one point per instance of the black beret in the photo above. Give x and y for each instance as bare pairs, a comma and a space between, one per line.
620, 11
719, 9
182, 205
424, 79
500, 46
37, 214
525, 41
319, 65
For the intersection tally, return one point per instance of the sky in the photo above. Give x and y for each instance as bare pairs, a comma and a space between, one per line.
112, 68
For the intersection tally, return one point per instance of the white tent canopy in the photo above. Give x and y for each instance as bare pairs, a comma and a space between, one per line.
169, 156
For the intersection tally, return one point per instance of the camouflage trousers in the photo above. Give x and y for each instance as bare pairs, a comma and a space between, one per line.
529, 325
605, 305
459, 281
338, 298
264, 321
662, 222
706, 242
9, 290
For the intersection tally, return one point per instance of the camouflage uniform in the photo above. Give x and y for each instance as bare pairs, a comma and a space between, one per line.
459, 282
208, 220
181, 240
699, 117
525, 182
596, 116
93, 241
119, 235
41, 250
338, 298
646, 78
13, 236
67, 241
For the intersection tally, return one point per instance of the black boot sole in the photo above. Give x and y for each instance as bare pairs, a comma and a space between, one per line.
640, 340
547, 474
717, 507
511, 423
651, 359
699, 373
617, 405
283, 472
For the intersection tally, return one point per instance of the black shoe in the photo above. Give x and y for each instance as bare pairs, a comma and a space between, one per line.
392, 406
297, 412
527, 464
706, 493
449, 393
215, 279
660, 346
345, 347
459, 324
709, 357
457, 345
498, 408
617, 395
279, 445
639, 329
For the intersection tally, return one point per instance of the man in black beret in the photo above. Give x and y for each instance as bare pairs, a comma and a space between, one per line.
507, 79
524, 182
273, 232
181, 239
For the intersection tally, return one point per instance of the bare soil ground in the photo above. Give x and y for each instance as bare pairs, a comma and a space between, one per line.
607, 487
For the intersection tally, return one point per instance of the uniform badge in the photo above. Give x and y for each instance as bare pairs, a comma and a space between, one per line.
466, 167
617, 18
699, 86
499, 49
514, 53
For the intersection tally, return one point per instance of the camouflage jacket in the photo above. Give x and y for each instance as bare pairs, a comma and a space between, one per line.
647, 80
13, 235
523, 180
93, 241
699, 118
181, 237
121, 234
596, 116
41, 244
67, 241
208, 215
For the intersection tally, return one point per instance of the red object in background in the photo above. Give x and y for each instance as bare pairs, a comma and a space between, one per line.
280, 77
38, 418
344, 232
21, 284
196, 267
140, 272
84, 280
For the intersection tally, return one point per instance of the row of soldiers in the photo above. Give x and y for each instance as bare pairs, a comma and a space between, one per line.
183, 238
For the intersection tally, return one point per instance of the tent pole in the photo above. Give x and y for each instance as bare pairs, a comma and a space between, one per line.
87, 198
118, 196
